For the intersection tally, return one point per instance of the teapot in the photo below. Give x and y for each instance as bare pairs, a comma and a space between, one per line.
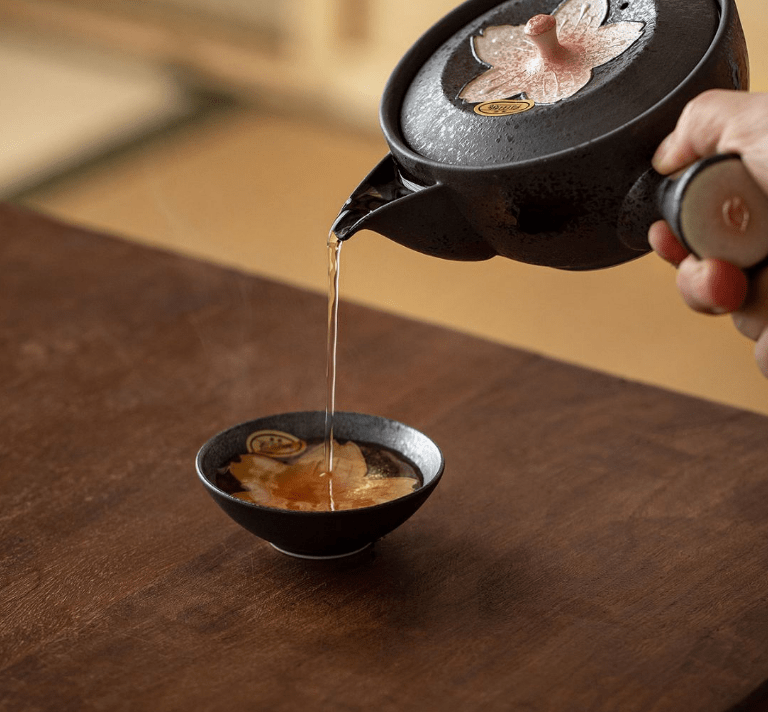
526, 128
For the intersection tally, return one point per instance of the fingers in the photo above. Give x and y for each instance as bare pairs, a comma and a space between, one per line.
665, 244
707, 286
698, 131
718, 287
761, 353
719, 121
711, 286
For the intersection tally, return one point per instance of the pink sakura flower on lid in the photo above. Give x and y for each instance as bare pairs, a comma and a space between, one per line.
551, 57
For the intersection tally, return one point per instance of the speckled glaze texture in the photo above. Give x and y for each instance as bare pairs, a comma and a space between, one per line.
549, 185
323, 534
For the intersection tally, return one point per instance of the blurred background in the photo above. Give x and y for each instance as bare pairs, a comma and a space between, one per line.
234, 130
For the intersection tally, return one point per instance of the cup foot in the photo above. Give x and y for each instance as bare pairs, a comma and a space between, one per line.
313, 557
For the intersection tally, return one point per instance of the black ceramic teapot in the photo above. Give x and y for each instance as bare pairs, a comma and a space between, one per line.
525, 128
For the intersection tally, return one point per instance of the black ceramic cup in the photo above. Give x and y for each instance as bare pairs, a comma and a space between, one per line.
323, 534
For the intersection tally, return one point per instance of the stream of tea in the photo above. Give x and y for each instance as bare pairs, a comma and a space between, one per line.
334, 254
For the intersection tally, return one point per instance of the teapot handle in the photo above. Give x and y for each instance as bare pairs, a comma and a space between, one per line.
716, 209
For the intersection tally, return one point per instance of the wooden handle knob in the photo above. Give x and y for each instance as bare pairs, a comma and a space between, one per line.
717, 210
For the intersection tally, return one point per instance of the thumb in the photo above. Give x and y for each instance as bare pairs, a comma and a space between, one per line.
698, 131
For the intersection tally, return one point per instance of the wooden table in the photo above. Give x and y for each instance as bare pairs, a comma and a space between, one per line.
594, 544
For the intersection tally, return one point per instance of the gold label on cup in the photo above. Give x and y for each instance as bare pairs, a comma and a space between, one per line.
275, 443
504, 107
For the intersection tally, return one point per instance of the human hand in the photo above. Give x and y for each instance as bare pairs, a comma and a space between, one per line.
719, 122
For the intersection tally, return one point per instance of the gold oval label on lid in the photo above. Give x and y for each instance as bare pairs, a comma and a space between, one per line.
275, 443
504, 107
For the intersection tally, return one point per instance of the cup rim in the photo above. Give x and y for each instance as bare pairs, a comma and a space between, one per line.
428, 484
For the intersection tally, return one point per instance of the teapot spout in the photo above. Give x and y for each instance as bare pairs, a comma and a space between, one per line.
425, 219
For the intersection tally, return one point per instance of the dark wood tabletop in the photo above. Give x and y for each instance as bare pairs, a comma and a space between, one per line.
595, 544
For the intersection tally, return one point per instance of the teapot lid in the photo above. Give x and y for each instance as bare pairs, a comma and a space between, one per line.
523, 79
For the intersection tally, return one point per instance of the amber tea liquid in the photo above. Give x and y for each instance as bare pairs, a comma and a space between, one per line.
334, 254
363, 475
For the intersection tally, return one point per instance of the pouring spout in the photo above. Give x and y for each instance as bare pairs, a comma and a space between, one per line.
425, 219
381, 187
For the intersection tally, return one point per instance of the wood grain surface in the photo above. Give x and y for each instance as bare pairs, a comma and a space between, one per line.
594, 544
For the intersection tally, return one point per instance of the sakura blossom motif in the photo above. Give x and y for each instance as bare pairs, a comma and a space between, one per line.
551, 57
